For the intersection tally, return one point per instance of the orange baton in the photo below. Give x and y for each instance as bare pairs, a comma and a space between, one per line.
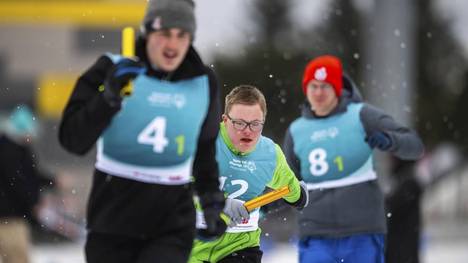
266, 198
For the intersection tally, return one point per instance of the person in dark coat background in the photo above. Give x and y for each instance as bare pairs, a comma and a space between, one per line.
404, 214
20, 184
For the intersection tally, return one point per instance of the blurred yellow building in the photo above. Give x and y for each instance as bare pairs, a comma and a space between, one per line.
51, 42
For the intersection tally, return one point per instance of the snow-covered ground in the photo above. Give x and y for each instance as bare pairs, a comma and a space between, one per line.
441, 243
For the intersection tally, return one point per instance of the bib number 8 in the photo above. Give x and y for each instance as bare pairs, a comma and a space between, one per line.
318, 163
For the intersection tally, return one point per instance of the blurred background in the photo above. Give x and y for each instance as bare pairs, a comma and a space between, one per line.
408, 57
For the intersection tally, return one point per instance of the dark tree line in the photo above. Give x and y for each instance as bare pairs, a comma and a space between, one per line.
275, 57
275, 61
441, 67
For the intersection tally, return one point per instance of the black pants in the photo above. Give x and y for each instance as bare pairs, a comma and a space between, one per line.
247, 255
107, 248
404, 226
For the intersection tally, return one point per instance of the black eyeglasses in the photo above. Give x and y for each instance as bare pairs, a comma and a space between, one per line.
241, 125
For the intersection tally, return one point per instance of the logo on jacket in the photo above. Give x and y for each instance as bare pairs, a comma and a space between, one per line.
322, 135
167, 100
242, 165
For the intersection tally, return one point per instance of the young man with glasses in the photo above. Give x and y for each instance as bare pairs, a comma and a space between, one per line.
248, 162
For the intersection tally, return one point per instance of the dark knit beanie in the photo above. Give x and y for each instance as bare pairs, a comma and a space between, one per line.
165, 14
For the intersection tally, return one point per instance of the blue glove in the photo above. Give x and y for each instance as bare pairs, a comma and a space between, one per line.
380, 140
118, 77
212, 205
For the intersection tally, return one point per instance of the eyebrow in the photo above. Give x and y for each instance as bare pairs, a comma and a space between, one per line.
183, 32
239, 119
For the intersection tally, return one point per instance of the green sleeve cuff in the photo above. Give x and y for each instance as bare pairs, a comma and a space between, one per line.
283, 176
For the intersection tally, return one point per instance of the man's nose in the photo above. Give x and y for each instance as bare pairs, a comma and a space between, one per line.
247, 130
172, 42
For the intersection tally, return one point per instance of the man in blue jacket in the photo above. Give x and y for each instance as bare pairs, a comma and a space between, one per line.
331, 147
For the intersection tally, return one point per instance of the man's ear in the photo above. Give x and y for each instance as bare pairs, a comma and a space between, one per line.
224, 117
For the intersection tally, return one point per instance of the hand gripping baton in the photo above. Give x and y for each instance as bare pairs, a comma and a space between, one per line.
266, 198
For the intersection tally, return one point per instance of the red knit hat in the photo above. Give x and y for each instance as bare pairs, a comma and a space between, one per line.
324, 68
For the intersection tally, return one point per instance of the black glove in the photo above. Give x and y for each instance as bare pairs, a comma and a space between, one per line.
379, 139
303, 200
212, 204
118, 77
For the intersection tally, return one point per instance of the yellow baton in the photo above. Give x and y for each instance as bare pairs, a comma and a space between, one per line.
266, 198
128, 50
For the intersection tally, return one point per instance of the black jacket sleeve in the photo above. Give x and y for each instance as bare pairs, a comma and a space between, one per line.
205, 168
291, 158
406, 144
86, 114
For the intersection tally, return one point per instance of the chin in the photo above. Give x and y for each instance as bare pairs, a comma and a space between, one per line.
173, 64
168, 68
246, 148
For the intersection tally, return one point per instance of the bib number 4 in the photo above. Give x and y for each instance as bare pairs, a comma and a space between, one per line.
155, 134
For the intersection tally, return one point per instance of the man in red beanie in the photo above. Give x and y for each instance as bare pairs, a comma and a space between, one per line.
324, 76
330, 147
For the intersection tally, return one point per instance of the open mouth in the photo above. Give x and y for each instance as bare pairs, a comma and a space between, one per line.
246, 140
170, 54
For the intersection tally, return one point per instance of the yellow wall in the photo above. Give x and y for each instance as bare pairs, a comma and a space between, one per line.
80, 13
53, 92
